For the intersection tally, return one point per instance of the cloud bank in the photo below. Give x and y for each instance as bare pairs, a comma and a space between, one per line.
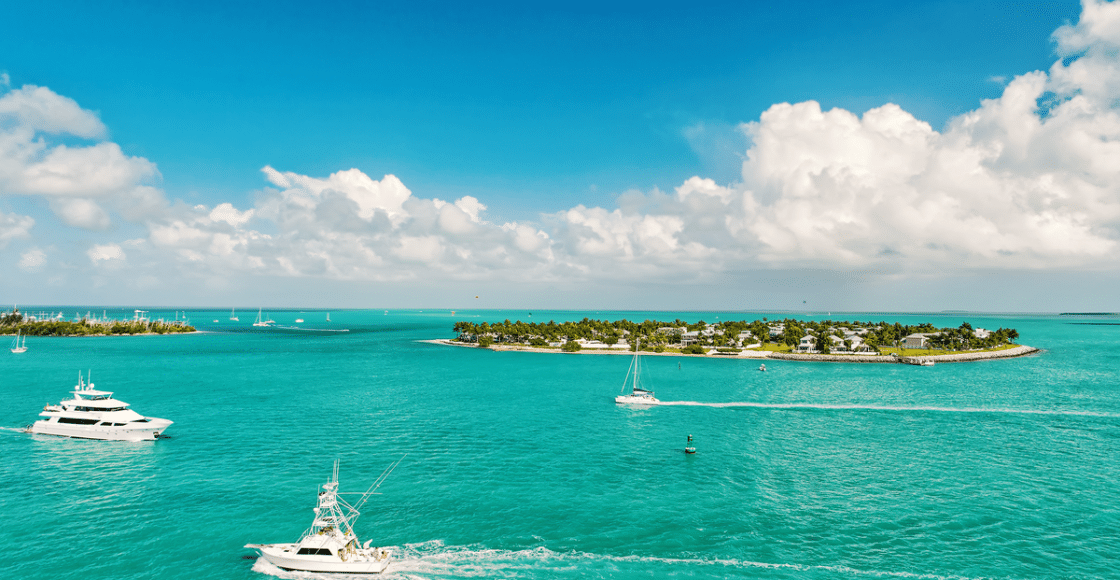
1027, 181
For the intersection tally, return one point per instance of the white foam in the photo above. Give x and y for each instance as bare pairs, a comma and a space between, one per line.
434, 560
896, 408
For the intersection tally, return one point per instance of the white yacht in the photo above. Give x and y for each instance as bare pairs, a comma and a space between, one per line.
330, 545
233, 315
94, 414
18, 347
638, 395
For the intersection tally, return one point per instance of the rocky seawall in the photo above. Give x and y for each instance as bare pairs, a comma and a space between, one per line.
914, 360
757, 354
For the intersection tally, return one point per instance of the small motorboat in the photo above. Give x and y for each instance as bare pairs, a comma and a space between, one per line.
762, 367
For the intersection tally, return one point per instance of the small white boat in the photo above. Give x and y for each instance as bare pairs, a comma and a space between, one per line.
94, 414
328, 317
762, 367
926, 363
260, 321
18, 347
298, 320
638, 395
330, 545
233, 315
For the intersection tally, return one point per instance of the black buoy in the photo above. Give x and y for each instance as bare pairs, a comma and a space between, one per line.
689, 449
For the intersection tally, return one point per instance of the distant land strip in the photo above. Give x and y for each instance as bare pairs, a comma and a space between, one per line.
785, 339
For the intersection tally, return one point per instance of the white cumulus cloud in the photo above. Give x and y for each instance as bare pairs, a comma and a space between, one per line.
105, 253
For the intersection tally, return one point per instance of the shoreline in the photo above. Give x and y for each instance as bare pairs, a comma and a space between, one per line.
1018, 351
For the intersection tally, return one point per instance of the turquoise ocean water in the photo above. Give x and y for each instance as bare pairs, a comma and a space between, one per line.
521, 466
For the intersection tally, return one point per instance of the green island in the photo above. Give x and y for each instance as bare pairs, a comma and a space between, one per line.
14, 322
788, 338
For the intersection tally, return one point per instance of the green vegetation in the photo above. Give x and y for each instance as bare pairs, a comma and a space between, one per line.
786, 335
15, 322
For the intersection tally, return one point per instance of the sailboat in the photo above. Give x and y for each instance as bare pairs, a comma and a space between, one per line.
16, 346
232, 316
328, 317
261, 321
638, 395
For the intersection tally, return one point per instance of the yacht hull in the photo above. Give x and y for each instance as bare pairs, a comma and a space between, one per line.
149, 432
632, 400
283, 556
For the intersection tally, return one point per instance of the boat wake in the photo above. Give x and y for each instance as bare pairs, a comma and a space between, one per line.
14, 429
434, 560
894, 408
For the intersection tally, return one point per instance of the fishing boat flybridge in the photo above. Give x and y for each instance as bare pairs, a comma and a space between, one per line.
94, 414
330, 545
638, 395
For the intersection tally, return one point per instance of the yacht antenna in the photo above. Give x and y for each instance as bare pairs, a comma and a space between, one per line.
376, 484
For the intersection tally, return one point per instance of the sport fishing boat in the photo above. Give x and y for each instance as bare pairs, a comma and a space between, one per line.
330, 545
94, 414
638, 395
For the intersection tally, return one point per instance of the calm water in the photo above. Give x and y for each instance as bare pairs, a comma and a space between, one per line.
520, 465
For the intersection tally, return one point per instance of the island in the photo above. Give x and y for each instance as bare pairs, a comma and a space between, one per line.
14, 322
788, 338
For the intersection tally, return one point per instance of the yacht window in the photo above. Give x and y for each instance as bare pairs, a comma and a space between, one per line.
140, 421
314, 552
97, 409
77, 421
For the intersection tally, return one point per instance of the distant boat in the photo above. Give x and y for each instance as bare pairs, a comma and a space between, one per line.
762, 367
298, 320
638, 395
328, 317
232, 316
262, 322
926, 363
16, 346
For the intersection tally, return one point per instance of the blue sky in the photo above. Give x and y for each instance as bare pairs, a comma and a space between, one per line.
530, 111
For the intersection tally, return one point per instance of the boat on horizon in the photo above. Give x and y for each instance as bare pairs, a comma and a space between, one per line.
233, 316
330, 544
638, 395
16, 346
94, 414
260, 321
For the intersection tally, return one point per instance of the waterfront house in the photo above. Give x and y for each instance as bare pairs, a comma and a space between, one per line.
918, 340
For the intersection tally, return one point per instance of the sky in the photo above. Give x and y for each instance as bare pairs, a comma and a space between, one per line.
707, 156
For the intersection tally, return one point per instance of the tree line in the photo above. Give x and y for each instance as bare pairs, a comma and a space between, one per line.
13, 323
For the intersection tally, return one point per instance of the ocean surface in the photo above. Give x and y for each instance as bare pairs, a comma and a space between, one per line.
521, 466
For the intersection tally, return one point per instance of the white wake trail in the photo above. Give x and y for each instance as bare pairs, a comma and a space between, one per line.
894, 408
432, 560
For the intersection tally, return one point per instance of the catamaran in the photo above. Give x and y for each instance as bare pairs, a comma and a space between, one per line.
16, 346
638, 395
232, 316
330, 545
94, 414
